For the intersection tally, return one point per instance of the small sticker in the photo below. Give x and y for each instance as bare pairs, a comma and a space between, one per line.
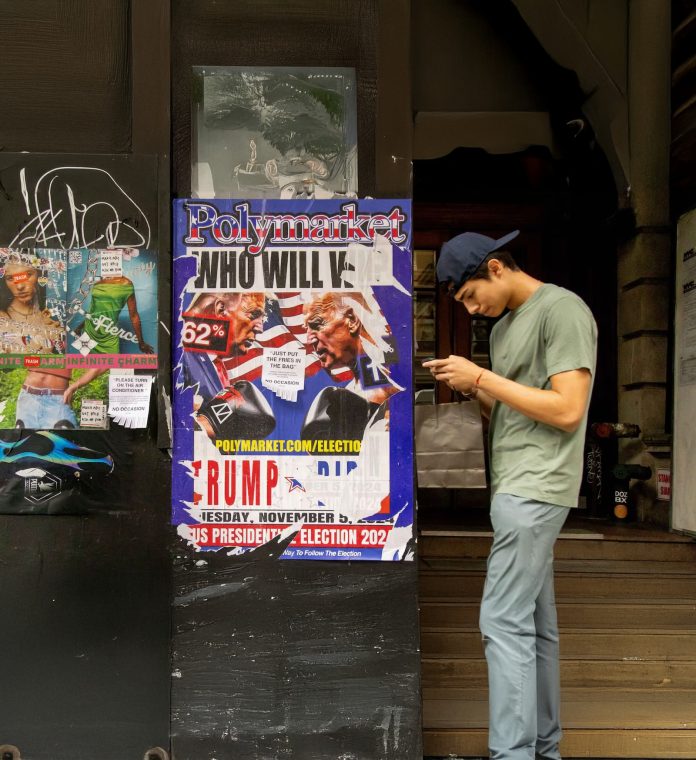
40, 485
664, 484
111, 263
93, 414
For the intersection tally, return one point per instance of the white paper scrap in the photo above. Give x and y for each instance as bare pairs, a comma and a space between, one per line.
111, 263
93, 414
372, 265
283, 371
129, 398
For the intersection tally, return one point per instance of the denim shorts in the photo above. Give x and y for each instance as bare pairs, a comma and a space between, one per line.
43, 412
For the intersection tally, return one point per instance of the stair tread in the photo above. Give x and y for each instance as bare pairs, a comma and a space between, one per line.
570, 630
576, 525
585, 644
594, 550
445, 671
571, 614
576, 742
468, 565
436, 657
576, 694
576, 601
656, 713
672, 601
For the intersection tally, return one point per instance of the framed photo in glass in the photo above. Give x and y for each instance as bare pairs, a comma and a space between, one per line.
274, 132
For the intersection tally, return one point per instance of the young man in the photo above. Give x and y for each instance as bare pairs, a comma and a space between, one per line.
543, 354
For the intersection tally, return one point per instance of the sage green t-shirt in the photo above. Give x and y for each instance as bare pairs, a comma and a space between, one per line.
553, 331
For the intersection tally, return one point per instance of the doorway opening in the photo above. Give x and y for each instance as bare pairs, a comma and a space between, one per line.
563, 209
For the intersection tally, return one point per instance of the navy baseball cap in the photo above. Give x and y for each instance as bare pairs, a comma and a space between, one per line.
461, 256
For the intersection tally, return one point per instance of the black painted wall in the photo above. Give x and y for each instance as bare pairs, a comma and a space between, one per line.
84, 599
285, 660
304, 660
65, 77
84, 611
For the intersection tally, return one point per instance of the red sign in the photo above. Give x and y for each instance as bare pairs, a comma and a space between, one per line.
204, 333
664, 484
254, 535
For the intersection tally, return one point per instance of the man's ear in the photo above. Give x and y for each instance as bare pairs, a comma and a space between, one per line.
495, 267
354, 324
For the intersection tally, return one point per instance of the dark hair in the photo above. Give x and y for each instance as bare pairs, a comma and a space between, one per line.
504, 257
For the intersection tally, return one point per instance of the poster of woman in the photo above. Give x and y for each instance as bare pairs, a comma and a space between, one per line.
112, 307
32, 305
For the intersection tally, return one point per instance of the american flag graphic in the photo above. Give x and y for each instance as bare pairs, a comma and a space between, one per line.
284, 325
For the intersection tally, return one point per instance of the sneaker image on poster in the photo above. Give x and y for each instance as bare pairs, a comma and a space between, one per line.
43, 473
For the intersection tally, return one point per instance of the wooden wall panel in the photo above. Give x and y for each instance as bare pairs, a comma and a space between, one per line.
683, 179
84, 599
274, 33
65, 75
296, 659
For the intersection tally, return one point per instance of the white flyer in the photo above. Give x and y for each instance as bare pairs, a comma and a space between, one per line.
283, 371
688, 302
129, 398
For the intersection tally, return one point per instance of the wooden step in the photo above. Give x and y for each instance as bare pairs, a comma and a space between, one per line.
680, 615
598, 743
448, 708
461, 585
627, 674
569, 567
677, 549
585, 644
622, 723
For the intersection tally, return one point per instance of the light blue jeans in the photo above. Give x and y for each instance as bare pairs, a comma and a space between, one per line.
36, 412
520, 630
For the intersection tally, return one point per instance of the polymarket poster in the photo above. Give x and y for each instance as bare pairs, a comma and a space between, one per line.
292, 376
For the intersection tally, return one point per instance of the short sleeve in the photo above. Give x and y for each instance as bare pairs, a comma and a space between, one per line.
491, 344
570, 336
